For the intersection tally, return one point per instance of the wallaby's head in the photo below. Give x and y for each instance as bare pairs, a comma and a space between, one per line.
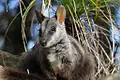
52, 30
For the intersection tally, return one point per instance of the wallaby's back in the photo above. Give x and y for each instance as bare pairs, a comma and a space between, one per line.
85, 66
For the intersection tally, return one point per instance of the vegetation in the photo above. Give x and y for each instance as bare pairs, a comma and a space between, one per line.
99, 17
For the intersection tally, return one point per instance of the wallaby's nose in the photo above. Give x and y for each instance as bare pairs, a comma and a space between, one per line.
43, 43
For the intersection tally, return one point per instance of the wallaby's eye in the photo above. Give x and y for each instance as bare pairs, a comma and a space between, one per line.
53, 28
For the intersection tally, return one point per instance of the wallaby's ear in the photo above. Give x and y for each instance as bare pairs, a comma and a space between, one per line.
40, 16
61, 14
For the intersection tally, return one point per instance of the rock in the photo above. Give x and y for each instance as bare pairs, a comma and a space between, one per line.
7, 59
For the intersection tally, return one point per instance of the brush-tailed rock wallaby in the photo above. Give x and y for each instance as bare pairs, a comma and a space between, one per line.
58, 55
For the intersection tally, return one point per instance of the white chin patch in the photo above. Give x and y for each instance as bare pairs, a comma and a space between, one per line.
51, 41
51, 57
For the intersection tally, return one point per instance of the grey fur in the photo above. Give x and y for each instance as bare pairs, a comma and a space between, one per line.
64, 50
